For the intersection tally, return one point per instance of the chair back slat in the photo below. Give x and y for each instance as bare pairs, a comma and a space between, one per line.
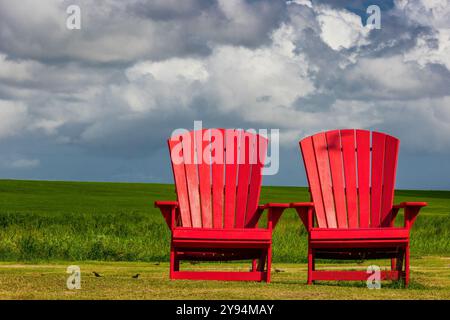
218, 183
390, 167
348, 138
337, 176
231, 158
309, 159
179, 173
376, 183
363, 155
326, 185
246, 149
203, 149
192, 181
259, 157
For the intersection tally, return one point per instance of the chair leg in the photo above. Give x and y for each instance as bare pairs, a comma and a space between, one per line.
176, 265
262, 261
172, 263
310, 265
399, 265
254, 264
407, 266
393, 264
269, 264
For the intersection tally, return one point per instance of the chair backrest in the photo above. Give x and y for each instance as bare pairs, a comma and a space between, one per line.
351, 176
218, 176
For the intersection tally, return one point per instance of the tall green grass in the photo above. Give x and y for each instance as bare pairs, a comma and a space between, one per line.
42, 220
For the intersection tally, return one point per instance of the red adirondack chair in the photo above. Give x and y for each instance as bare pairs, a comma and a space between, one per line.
218, 177
351, 176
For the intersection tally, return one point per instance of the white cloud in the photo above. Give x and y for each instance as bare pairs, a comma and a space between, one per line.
386, 75
170, 71
253, 79
13, 118
14, 70
436, 15
341, 29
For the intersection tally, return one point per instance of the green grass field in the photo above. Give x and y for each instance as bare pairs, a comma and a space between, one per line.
53, 224
44, 221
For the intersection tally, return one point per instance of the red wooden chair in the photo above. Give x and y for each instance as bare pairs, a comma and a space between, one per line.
351, 176
217, 212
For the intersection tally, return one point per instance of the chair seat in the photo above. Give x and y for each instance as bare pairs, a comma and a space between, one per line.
345, 239
221, 238
325, 234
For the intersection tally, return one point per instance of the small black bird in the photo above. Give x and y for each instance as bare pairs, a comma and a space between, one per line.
96, 274
278, 270
136, 276
157, 264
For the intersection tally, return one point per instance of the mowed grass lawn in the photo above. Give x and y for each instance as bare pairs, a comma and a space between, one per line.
430, 280
114, 229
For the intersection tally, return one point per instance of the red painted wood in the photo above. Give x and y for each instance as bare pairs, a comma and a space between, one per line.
220, 275
348, 138
246, 149
390, 167
222, 234
217, 176
337, 175
175, 147
378, 244
359, 234
192, 180
309, 159
168, 210
363, 158
202, 244
411, 204
216, 197
407, 265
166, 203
323, 167
352, 275
378, 148
219, 254
368, 180
203, 140
231, 159
259, 157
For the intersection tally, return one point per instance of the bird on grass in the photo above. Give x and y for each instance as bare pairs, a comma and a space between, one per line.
278, 270
157, 264
96, 274
136, 276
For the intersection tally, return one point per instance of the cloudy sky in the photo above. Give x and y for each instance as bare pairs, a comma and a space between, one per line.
98, 103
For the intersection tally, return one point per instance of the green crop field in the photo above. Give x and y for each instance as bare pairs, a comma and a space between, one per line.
44, 222
41, 220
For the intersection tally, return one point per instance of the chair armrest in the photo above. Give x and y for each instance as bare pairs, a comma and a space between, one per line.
305, 211
274, 214
410, 204
168, 210
411, 210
